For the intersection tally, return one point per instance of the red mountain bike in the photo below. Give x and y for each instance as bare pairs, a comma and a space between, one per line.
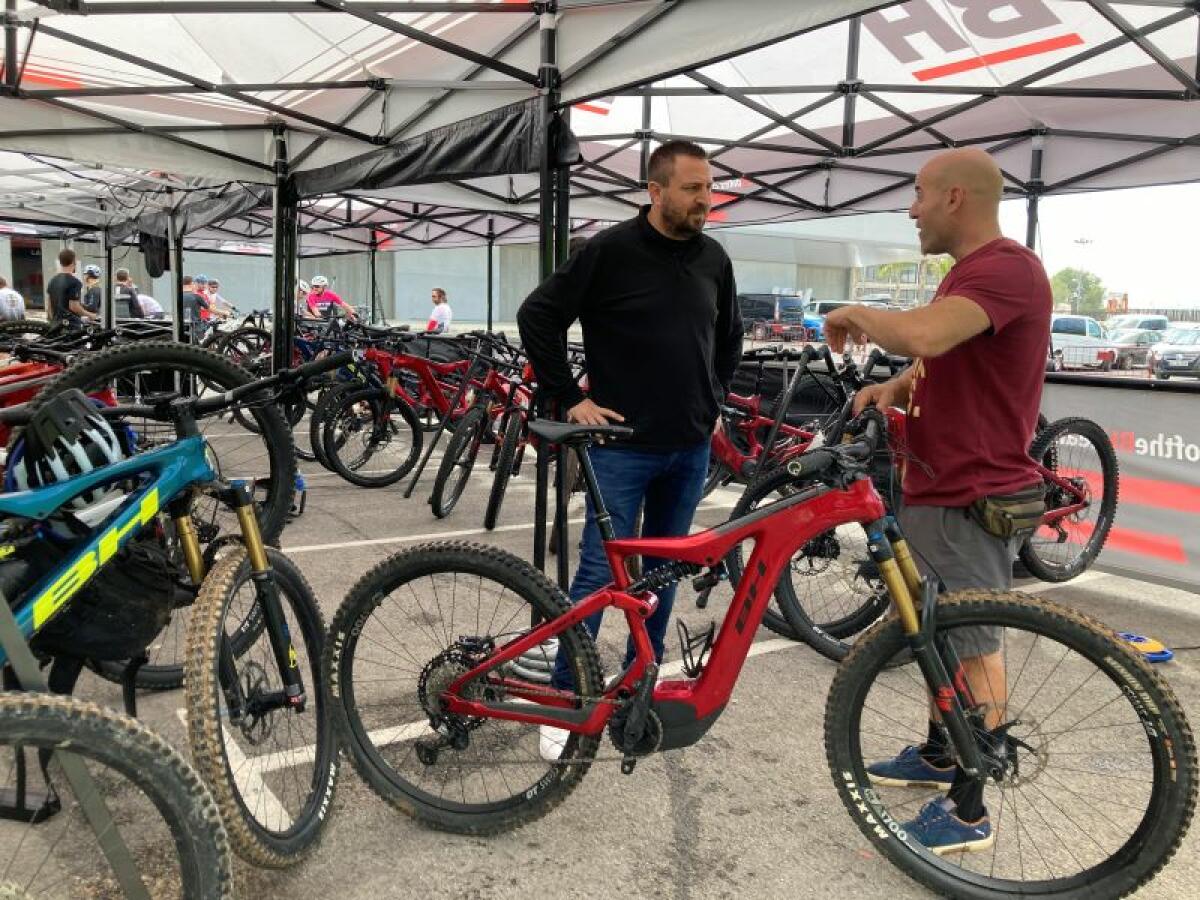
421, 664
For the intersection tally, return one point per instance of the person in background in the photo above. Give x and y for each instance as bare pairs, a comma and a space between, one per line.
194, 303
12, 304
440, 316
92, 295
208, 307
126, 291
302, 291
216, 300
64, 293
150, 307
321, 300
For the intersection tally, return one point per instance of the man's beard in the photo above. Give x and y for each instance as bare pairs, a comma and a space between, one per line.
680, 223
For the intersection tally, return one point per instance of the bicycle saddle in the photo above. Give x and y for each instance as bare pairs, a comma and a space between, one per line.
570, 433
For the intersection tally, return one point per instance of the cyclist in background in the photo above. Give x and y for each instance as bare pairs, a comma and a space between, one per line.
64, 293
92, 296
216, 300
321, 300
440, 316
972, 393
208, 307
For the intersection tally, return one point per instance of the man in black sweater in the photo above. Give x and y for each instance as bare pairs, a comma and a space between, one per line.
663, 336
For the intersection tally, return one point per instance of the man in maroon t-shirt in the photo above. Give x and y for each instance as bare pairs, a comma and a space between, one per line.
972, 396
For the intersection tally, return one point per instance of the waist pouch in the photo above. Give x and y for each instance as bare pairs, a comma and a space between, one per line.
1014, 515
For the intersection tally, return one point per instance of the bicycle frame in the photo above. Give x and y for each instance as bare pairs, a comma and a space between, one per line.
687, 708
172, 470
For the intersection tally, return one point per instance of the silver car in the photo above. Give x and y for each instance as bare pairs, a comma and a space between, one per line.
1177, 354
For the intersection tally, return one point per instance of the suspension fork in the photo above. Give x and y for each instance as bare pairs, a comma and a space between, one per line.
238, 495
939, 664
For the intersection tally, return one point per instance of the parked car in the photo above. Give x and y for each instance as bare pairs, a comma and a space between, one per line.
777, 317
1177, 354
1080, 341
1137, 321
1133, 346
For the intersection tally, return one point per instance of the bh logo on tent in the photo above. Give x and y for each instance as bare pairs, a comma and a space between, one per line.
917, 33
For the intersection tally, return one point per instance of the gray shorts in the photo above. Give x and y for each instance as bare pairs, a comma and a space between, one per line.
949, 545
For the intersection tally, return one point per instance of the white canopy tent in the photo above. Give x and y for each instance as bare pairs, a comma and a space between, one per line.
808, 109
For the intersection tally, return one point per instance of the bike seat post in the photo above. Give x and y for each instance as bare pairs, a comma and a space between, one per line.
603, 519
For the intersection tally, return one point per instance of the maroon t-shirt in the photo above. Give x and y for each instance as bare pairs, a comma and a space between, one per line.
974, 408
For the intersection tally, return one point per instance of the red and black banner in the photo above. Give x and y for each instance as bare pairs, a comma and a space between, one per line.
1156, 433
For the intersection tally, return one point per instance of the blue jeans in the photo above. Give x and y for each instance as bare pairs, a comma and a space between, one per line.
668, 487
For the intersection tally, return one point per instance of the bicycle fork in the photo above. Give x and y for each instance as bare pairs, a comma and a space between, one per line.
937, 660
268, 611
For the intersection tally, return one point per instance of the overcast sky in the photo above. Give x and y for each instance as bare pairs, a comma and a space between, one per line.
1140, 241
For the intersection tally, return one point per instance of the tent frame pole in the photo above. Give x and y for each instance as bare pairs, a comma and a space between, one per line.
548, 86
371, 284
491, 247
1035, 189
285, 214
108, 307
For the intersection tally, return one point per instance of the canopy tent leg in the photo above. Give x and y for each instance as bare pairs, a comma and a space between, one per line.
491, 246
1035, 189
285, 208
108, 306
176, 242
371, 284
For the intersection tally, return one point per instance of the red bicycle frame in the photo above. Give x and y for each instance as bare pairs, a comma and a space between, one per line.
433, 392
687, 708
736, 460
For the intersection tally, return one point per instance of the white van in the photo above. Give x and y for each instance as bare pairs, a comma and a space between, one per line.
1080, 341
1137, 321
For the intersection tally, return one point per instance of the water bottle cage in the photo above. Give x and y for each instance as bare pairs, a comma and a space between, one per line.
694, 649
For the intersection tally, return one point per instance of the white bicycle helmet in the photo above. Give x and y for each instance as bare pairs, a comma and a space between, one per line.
320, 281
66, 438
91, 271
302, 286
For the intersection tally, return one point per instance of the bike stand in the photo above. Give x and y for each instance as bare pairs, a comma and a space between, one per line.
17, 802
129, 684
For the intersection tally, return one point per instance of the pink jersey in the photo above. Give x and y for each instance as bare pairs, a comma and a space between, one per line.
320, 303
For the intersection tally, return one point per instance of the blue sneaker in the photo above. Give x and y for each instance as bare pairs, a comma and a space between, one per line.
937, 828
910, 769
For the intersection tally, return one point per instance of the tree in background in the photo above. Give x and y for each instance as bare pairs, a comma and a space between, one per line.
1082, 290
930, 271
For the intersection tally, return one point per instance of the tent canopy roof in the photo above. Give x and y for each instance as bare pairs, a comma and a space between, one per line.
808, 109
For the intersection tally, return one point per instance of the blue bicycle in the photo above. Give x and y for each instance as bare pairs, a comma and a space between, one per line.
257, 721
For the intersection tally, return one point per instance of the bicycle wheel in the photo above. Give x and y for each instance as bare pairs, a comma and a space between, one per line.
1091, 791
164, 814
402, 634
272, 767
505, 463
1079, 451
455, 469
22, 331
830, 590
370, 439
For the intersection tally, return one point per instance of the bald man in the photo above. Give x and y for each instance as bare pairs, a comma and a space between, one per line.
972, 395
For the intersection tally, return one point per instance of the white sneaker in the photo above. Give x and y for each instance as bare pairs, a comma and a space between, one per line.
551, 742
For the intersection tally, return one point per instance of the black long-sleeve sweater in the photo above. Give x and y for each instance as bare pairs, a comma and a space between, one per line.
661, 330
